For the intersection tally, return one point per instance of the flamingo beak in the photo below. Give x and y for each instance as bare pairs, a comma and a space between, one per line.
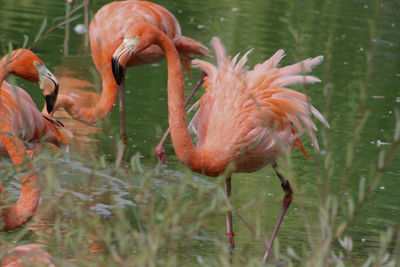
49, 85
121, 57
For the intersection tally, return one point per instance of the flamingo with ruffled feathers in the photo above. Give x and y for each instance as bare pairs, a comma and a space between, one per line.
107, 31
246, 118
21, 121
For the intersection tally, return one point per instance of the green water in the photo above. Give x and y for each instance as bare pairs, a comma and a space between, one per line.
340, 30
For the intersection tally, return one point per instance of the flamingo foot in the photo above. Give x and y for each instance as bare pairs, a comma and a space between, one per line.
231, 241
161, 154
124, 139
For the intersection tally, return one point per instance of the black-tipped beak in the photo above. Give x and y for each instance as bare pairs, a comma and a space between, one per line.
117, 70
49, 85
51, 99
121, 57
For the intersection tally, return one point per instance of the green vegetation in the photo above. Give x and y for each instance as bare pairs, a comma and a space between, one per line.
95, 212
150, 219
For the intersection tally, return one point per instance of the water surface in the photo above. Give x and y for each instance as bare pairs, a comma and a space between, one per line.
340, 30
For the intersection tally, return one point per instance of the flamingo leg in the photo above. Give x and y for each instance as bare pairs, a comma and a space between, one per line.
229, 225
287, 199
122, 122
160, 147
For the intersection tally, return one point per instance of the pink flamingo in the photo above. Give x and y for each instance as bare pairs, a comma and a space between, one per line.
246, 118
108, 33
20, 120
28, 254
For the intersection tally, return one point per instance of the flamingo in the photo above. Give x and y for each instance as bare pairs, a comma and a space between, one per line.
107, 31
246, 117
20, 120
26, 254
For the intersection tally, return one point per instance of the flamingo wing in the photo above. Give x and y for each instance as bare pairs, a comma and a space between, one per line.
248, 115
28, 122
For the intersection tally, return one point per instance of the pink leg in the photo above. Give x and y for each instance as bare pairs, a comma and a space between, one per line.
229, 225
287, 199
160, 147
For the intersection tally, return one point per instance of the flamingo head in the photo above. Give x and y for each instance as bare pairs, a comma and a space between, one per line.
121, 57
139, 38
49, 85
25, 64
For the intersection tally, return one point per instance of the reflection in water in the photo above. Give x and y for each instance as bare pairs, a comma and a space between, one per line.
77, 88
86, 21
66, 33
79, 29
97, 200
44, 221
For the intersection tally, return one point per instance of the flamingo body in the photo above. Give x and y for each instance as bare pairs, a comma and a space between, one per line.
246, 117
107, 31
18, 118
26, 255
28, 122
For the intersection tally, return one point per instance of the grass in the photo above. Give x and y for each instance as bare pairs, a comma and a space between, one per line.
150, 218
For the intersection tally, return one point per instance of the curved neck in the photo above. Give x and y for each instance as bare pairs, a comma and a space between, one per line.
196, 158
29, 198
91, 115
26, 205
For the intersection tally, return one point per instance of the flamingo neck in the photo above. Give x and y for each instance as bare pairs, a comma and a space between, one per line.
29, 198
91, 115
26, 205
197, 159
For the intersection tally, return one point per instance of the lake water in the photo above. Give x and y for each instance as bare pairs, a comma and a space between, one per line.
339, 30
